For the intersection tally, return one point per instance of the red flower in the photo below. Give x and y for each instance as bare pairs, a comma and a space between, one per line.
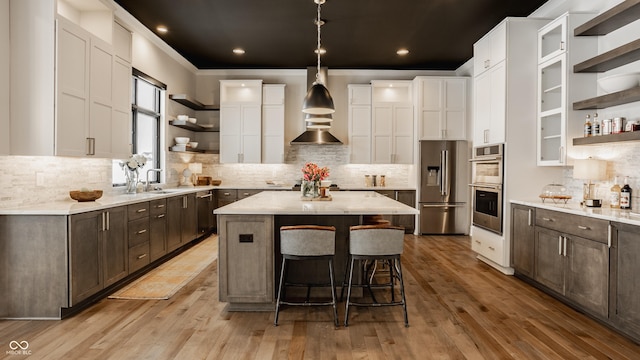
312, 172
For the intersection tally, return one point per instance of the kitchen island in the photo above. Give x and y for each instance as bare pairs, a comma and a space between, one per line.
249, 238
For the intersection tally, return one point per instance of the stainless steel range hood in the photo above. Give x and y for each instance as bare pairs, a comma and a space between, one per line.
316, 136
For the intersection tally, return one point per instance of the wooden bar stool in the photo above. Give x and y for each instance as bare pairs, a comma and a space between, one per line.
377, 242
307, 242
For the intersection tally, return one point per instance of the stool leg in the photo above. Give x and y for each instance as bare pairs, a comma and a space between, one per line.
393, 290
333, 293
275, 320
344, 278
346, 311
404, 300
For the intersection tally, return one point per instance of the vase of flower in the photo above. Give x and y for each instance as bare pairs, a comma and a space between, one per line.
132, 180
130, 167
310, 188
312, 174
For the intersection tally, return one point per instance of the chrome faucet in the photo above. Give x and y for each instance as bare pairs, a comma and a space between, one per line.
147, 187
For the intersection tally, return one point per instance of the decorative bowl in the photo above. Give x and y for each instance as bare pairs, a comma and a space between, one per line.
216, 182
183, 117
181, 140
193, 144
620, 82
86, 195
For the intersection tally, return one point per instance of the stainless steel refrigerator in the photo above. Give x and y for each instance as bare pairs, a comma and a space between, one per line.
444, 187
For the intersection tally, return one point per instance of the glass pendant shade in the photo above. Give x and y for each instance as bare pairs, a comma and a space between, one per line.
318, 101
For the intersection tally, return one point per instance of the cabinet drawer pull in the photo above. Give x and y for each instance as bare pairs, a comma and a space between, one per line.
141, 210
583, 227
492, 248
160, 216
547, 219
160, 206
245, 194
142, 231
142, 256
478, 241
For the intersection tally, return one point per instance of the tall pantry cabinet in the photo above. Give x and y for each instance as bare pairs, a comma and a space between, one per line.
240, 121
505, 66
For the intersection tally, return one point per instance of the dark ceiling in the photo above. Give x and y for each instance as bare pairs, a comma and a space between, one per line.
358, 34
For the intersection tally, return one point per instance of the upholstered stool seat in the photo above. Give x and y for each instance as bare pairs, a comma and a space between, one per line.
307, 242
377, 242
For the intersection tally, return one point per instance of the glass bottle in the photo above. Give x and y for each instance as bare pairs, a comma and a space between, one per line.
595, 127
625, 195
587, 126
614, 194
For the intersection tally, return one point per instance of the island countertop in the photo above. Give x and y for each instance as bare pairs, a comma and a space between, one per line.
342, 203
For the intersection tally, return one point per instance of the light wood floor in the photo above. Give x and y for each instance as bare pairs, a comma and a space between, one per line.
459, 308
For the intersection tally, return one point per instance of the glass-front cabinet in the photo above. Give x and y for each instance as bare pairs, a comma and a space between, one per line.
559, 87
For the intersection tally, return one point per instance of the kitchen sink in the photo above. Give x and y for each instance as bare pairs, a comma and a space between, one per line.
163, 191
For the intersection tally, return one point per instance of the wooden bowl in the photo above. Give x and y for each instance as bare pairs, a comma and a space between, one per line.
83, 196
215, 182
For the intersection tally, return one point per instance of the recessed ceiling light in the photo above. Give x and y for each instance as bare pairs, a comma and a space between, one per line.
402, 52
322, 51
238, 51
162, 29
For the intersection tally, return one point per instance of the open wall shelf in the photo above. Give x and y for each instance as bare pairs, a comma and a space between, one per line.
192, 103
594, 140
611, 20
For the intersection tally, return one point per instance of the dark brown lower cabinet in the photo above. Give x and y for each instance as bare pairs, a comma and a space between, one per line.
523, 239
98, 251
624, 297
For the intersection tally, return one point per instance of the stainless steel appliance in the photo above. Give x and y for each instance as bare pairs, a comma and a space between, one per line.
487, 180
443, 196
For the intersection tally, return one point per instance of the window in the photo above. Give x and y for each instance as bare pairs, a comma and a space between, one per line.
147, 112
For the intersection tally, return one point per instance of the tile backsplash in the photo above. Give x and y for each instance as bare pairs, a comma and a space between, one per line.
30, 180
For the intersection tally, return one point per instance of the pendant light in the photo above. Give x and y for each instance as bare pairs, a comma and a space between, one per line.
318, 100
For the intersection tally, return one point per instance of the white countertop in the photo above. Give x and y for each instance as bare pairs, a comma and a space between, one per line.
342, 203
604, 213
70, 206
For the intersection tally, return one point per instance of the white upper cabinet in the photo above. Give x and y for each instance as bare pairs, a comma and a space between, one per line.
490, 106
360, 123
273, 123
240, 121
392, 130
442, 107
559, 87
490, 50
93, 96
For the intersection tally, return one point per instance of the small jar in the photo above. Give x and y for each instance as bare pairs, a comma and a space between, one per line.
383, 180
617, 125
605, 128
367, 181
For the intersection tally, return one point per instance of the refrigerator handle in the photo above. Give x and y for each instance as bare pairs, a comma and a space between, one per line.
444, 172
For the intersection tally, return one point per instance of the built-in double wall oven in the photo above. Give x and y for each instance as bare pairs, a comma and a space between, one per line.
487, 180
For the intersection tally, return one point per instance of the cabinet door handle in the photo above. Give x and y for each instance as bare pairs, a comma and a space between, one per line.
108, 221
142, 231
609, 236
478, 241
561, 45
547, 219
529, 219
141, 210
583, 227
104, 222
492, 248
561, 154
560, 245
142, 256
565, 245
486, 136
